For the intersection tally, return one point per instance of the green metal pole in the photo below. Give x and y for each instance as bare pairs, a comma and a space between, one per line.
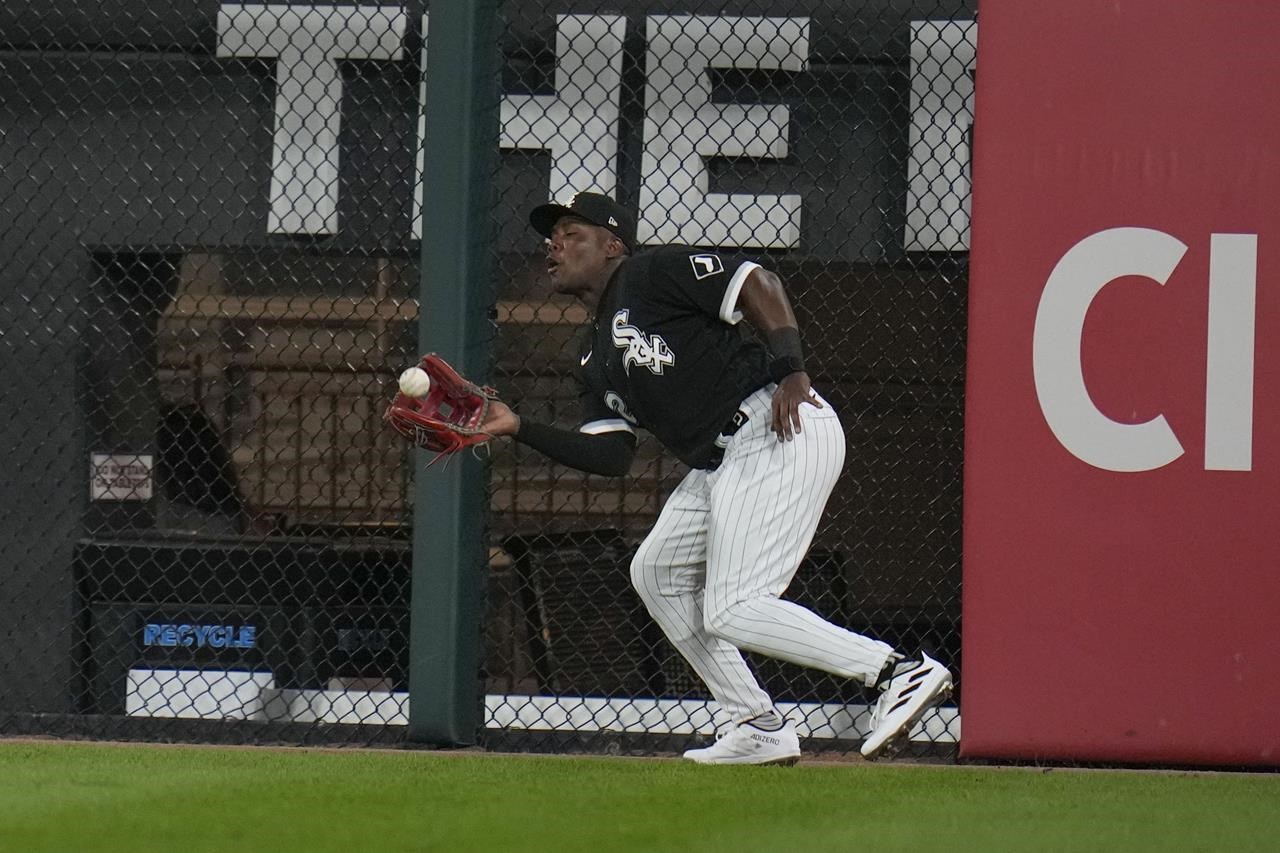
455, 296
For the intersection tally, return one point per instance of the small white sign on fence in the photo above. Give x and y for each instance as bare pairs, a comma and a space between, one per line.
121, 477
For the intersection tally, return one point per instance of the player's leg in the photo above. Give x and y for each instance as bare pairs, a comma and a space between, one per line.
668, 572
767, 499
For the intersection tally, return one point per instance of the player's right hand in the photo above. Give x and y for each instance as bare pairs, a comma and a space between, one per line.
793, 391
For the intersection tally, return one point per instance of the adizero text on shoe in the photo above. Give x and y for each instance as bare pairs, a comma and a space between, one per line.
904, 701
743, 743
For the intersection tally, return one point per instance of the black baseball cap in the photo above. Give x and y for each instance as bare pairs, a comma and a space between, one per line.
594, 208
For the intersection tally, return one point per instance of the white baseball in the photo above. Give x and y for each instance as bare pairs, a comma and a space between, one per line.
415, 382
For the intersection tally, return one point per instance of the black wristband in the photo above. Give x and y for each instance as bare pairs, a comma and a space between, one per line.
788, 355
781, 368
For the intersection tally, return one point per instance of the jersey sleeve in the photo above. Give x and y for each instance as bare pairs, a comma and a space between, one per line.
597, 418
707, 280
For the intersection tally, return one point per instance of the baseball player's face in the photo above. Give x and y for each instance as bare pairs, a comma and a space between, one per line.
578, 255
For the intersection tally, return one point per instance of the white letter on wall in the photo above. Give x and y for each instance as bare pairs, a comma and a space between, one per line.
1228, 402
307, 42
579, 123
419, 156
1082, 272
942, 61
682, 126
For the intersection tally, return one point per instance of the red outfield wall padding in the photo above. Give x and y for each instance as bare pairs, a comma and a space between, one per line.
1122, 460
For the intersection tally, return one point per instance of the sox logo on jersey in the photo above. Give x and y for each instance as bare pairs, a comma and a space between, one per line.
641, 349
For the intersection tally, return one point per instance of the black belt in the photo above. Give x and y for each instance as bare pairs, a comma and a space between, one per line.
728, 431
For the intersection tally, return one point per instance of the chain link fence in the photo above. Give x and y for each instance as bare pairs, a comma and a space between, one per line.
208, 278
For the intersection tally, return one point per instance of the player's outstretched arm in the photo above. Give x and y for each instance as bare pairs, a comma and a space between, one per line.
765, 305
607, 454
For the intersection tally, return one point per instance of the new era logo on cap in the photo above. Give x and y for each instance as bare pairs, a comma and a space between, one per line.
596, 208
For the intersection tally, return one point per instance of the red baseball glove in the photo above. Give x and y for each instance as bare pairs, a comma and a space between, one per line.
448, 417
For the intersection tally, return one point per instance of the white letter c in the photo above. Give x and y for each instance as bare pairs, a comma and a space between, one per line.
1079, 276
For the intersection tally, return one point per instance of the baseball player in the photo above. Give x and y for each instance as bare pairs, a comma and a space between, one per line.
663, 353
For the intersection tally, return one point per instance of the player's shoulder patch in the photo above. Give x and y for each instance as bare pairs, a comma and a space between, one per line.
686, 264
706, 265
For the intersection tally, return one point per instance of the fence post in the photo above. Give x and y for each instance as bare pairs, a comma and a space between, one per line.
449, 551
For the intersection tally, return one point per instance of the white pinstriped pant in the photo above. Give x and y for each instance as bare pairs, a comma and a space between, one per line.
727, 544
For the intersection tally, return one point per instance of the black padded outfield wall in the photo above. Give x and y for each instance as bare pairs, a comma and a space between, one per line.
209, 271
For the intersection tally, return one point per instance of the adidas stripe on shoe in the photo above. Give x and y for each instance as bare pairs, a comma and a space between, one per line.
908, 695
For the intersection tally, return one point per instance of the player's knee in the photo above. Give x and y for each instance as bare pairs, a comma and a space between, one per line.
721, 621
644, 576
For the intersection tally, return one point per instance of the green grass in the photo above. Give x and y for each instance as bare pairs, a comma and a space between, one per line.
87, 797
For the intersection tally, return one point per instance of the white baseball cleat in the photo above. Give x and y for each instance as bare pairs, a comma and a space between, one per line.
906, 698
743, 743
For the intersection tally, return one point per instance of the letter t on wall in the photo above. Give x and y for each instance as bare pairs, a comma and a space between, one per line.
307, 42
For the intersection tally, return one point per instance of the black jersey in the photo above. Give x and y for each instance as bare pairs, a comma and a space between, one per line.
664, 352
